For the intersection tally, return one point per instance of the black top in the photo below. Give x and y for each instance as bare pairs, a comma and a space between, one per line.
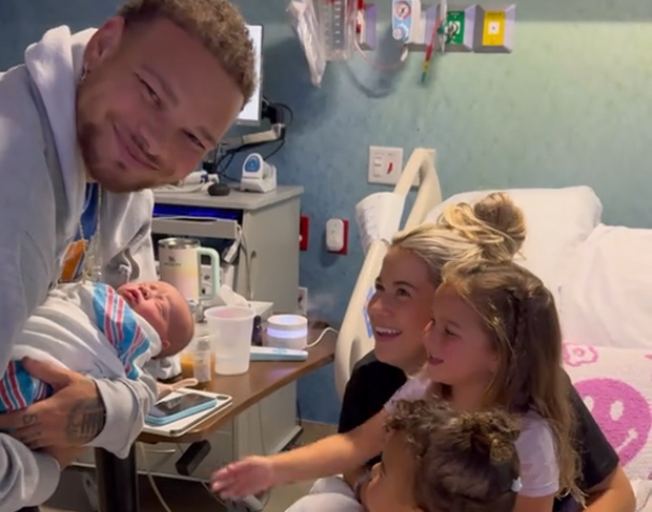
373, 383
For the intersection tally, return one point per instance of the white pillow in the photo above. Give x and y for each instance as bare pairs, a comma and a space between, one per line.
606, 294
557, 221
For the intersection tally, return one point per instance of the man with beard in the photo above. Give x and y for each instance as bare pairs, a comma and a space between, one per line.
88, 123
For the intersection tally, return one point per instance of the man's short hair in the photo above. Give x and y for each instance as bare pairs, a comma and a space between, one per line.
217, 23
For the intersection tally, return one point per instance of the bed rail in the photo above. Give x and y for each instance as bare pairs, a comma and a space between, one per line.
356, 338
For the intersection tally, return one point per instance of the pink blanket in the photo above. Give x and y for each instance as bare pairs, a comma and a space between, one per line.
616, 385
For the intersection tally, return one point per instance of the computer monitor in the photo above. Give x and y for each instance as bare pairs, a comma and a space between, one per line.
251, 113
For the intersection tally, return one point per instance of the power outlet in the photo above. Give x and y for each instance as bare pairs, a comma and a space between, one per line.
385, 165
417, 178
302, 301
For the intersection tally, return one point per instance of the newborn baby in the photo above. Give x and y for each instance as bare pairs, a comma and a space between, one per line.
94, 330
165, 309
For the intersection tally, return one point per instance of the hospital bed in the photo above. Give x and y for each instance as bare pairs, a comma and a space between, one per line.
601, 278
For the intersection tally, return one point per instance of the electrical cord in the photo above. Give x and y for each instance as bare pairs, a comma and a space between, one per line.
278, 148
321, 336
310, 345
221, 163
157, 492
299, 415
249, 261
152, 482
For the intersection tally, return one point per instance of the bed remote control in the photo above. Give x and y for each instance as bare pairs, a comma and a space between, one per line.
277, 354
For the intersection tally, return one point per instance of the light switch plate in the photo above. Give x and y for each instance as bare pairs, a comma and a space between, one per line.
385, 165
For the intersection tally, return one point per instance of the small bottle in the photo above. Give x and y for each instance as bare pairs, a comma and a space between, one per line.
202, 361
257, 333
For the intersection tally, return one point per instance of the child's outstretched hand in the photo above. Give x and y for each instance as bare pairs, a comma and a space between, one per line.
247, 477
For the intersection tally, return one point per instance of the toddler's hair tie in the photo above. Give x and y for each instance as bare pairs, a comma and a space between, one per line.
517, 485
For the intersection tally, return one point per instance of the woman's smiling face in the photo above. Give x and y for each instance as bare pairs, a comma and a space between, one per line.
401, 308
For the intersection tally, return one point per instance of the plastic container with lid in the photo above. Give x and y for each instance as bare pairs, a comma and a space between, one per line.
230, 329
198, 361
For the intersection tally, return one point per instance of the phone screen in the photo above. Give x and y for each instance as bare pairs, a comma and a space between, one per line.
178, 404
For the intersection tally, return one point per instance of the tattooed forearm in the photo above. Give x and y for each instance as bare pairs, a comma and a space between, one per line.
29, 419
86, 420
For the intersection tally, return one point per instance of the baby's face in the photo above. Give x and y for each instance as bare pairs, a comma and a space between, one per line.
390, 488
166, 311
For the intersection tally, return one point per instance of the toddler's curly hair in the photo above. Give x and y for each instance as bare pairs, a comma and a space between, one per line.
465, 461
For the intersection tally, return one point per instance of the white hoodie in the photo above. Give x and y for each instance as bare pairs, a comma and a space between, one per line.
42, 187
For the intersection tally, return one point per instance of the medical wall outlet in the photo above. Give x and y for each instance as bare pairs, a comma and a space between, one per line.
406, 17
422, 35
257, 175
337, 234
365, 28
304, 232
413, 23
459, 27
385, 165
494, 29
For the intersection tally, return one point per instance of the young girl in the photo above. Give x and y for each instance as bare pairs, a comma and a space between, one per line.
435, 460
494, 341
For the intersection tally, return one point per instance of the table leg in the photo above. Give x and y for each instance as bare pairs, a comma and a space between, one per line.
117, 482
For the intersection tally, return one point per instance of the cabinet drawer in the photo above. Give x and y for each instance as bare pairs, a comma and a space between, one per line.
202, 228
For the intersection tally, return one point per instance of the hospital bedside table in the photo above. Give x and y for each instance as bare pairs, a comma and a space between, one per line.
118, 479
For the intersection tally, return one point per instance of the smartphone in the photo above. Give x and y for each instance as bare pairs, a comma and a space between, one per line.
179, 407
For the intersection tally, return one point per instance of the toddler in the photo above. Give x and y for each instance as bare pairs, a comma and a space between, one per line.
435, 460
94, 330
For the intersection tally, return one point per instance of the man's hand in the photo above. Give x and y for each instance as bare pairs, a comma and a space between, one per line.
73, 416
66, 456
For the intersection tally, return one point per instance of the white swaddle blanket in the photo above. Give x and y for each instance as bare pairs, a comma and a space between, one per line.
87, 328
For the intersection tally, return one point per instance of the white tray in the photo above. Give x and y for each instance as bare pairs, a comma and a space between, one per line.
185, 425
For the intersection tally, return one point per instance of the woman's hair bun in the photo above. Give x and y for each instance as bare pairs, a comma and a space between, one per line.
495, 223
499, 212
